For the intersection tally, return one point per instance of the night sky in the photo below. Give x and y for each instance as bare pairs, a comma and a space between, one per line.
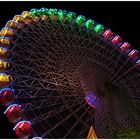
121, 17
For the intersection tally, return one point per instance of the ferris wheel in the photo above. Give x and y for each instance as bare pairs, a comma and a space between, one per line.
63, 75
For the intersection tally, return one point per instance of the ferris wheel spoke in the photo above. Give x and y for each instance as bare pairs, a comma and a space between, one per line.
125, 73
72, 111
32, 105
28, 96
48, 83
54, 114
80, 118
28, 68
51, 113
62, 121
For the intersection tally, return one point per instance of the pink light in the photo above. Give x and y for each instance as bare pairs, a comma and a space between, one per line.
90, 98
90, 103
108, 33
21, 125
116, 39
138, 63
133, 54
125, 46
11, 109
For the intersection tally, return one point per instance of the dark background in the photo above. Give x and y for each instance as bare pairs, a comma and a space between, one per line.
121, 17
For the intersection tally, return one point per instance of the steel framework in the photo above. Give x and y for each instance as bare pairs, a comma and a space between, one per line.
54, 63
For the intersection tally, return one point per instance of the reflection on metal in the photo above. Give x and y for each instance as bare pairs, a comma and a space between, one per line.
91, 134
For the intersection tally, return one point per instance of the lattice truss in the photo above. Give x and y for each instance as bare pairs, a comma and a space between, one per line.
53, 65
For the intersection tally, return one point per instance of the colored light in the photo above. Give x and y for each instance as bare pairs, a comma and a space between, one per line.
23, 129
21, 122
138, 63
80, 20
6, 32
62, 14
71, 16
11, 107
3, 52
43, 11
125, 46
12, 24
4, 42
3, 65
35, 12
4, 77
133, 54
108, 33
7, 96
5, 80
6, 89
52, 12
19, 19
26, 15
98, 28
90, 98
90, 24
117, 39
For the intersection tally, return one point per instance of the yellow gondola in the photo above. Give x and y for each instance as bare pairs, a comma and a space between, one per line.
26, 14
4, 42
4, 79
6, 32
28, 17
3, 65
12, 24
18, 19
3, 52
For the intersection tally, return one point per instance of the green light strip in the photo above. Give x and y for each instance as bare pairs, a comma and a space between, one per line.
70, 17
